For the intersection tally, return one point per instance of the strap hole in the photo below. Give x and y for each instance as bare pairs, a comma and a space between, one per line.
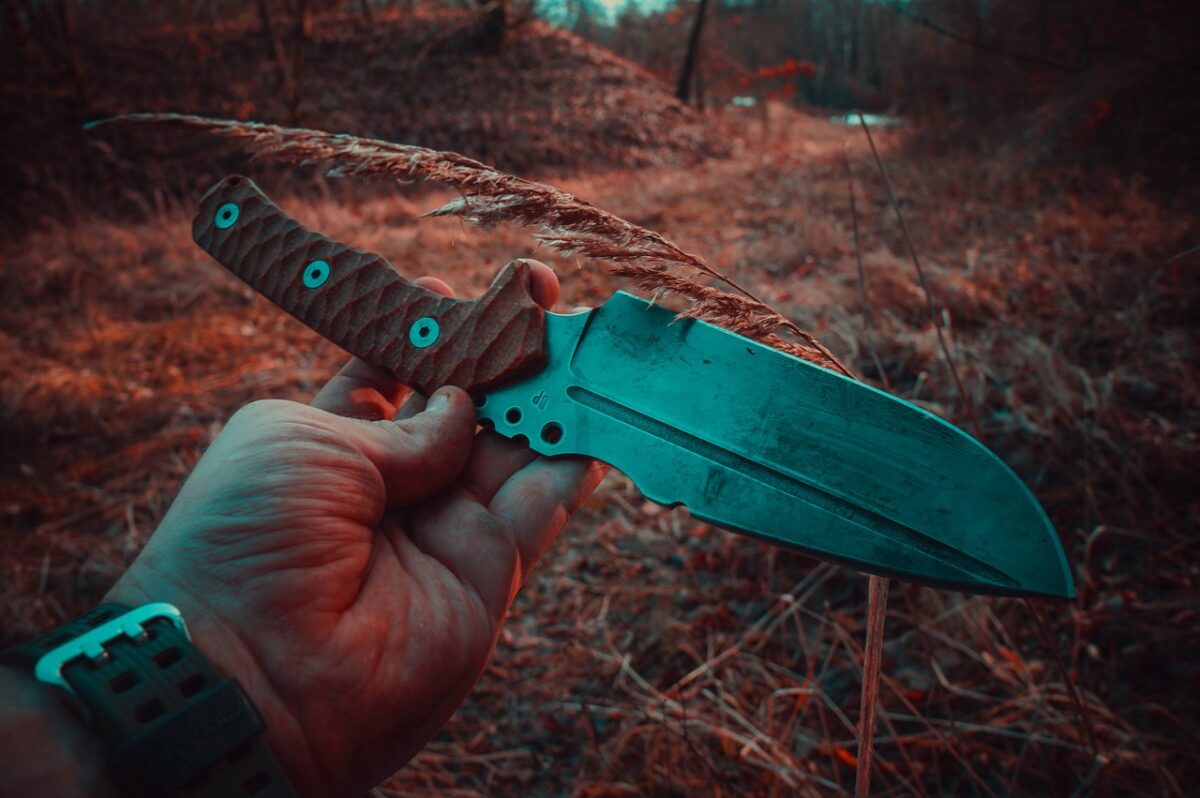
148, 710
123, 682
168, 657
192, 685
256, 783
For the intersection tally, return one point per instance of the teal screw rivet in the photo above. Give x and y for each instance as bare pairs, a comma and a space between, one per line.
424, 332
316, 273
227, 215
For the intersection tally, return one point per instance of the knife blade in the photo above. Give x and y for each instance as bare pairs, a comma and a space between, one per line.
745, 436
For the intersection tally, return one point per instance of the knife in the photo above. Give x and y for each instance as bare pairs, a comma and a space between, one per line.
745, 436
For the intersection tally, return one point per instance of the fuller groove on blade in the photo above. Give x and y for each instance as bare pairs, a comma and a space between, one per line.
760, 442
795, 487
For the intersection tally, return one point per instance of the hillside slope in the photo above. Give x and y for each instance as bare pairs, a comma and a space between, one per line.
549, 101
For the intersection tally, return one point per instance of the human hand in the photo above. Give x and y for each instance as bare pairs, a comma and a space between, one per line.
352, 571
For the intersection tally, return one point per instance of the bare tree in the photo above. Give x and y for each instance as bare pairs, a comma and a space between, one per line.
285, 57
493, 25
52, 24
14, 31
683, 91
302, 14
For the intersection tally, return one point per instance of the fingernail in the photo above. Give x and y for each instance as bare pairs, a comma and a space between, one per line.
438, 402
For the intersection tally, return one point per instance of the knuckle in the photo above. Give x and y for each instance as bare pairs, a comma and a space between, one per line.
261, 411
262, 418
280, 420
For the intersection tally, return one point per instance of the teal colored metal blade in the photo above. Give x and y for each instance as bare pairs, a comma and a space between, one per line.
762, 443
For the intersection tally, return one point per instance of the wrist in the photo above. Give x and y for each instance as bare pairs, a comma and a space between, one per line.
47, 749
233, 656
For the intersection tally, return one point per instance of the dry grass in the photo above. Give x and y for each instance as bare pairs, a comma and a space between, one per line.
550, 103
491, 197
652, 654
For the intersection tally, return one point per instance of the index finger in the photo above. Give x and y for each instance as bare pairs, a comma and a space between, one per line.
360, 390
537, 501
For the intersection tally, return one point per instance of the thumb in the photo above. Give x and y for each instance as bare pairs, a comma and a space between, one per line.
420, 455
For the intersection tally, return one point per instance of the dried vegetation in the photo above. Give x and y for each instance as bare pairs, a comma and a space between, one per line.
549, 103
652, 654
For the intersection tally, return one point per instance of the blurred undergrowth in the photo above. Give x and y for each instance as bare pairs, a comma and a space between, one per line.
654, 654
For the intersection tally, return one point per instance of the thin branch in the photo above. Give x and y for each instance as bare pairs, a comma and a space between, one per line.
933, 314
1187, 253
926, 22
862, 273
1085, 715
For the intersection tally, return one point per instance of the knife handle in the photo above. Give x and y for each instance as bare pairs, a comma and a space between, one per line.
360, 302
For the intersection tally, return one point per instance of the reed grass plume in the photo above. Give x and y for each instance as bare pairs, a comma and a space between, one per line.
489, 197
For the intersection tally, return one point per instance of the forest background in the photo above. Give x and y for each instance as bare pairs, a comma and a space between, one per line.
1044, 157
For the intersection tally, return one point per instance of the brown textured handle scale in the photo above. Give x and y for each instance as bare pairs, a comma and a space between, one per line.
358, 301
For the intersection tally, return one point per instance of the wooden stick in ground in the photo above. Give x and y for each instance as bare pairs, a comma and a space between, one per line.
877, 586
877, 593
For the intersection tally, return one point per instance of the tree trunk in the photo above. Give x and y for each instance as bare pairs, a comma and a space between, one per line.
1043, 29
494, 25
14, 34
283, 61
304, 20
59, 42
684, 89
856, 12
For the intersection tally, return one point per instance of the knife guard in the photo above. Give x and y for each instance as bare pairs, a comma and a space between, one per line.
360, 302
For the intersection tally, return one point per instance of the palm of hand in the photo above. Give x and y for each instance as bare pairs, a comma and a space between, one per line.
352, 572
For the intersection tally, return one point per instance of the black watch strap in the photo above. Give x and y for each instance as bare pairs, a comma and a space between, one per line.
174, 726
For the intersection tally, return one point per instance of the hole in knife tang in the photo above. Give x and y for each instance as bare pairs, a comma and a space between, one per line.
513, 416
552, 432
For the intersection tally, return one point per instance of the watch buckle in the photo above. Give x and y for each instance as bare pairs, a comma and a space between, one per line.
90, 644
